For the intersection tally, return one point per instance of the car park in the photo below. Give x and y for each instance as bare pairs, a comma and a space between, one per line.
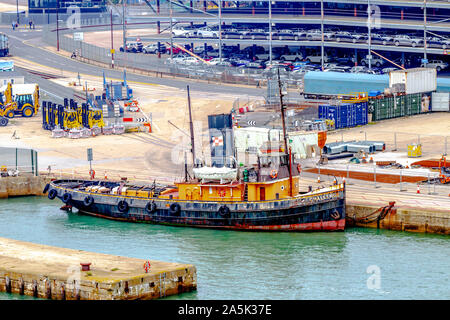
153, 48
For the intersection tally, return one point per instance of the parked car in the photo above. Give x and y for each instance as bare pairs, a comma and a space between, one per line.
175, 50
207, 32
437, 64
284, 35
258, 35
178, 59
216, 61
344, 36
280, 64
317, 58
231, 34
337, 69
191, 60
183, 32
238, 62
406, 40
132, 47
359, 69
201, 49
345, 60
256, 52
382, 38
153, 48
292, 56
375, 61
255, 65
316, 34
387, 70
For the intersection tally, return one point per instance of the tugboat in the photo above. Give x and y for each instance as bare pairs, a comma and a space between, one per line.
262, 197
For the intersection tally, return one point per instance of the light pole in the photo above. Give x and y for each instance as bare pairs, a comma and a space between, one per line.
220, 30
57, 25
270, 31
425, 60
171, 34
322, 49
17, 7
369, 34
112, 42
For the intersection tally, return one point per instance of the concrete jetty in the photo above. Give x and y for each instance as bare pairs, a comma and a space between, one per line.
401, 219
55, 273
26, 185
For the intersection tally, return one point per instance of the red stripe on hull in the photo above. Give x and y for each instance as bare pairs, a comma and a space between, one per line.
335, 225
313, 226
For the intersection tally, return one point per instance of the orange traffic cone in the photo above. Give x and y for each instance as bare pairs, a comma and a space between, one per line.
318, 179
418, 189
106, 178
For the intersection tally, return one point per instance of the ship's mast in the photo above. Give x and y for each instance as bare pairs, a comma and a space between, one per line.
288, 152
191, 127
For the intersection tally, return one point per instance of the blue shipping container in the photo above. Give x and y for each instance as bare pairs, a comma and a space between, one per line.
346, 115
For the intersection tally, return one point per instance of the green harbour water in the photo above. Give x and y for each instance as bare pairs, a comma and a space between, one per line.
251, 265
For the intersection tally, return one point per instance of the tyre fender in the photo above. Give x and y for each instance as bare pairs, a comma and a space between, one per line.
52, 194
150, 207
88, 201
175, 209
66, 197
123, 206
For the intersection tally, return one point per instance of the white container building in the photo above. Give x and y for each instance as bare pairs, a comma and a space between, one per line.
416, 80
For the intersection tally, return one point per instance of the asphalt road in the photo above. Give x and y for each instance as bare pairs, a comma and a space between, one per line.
18, 47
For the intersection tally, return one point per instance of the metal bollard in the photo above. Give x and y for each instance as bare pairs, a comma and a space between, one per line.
395, 141
375, 176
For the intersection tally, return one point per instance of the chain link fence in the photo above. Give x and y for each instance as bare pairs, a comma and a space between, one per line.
16, 161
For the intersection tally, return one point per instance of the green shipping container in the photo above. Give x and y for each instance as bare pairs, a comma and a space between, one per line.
395, 107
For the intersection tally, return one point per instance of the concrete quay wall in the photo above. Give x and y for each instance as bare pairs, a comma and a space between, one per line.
402, 219
26, 185
55, 273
